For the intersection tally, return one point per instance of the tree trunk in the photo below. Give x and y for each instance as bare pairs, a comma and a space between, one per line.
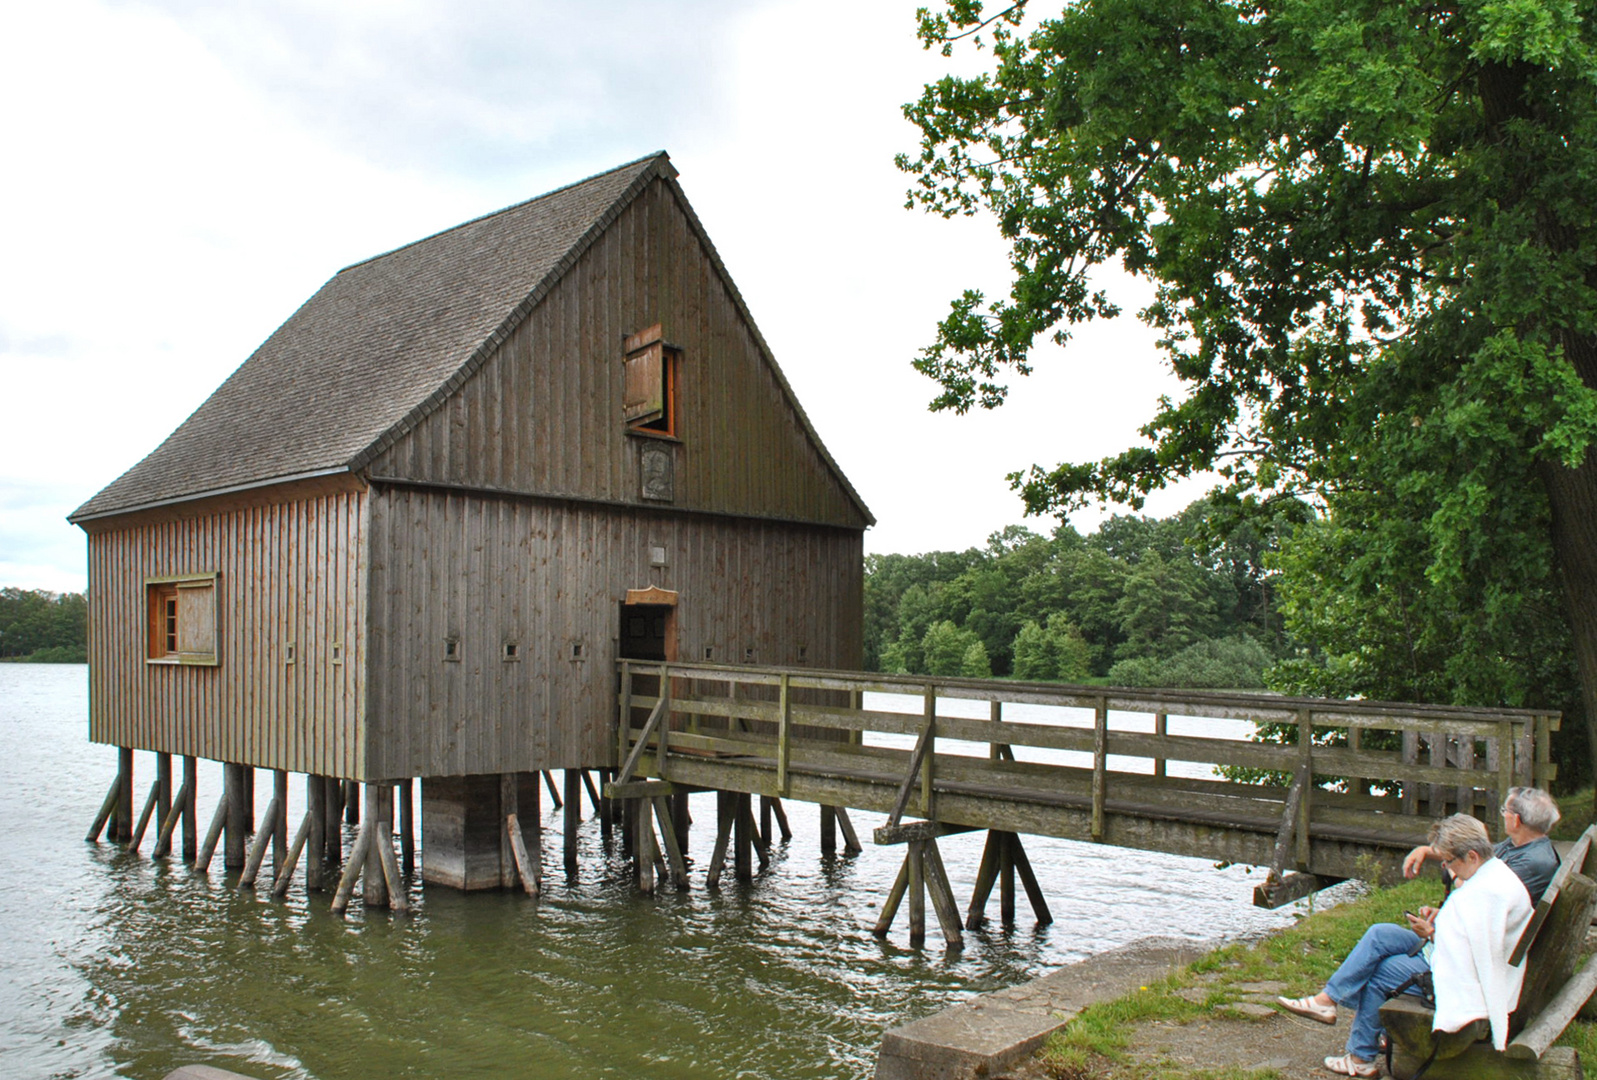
1572, 495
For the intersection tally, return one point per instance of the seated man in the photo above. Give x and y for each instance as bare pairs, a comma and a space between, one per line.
1529, 814
1472, 936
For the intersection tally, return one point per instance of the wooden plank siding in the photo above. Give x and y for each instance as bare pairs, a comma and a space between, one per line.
547, 573
288, 571
544, 414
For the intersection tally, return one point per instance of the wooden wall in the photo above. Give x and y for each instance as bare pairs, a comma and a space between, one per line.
290, 571
546, 574
544, 414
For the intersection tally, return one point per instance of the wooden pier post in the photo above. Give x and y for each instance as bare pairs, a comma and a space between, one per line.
333, 844
643, 830
573, 817
247, 790
742, 840
233, 780
122, 817
189, 809
379, 816
163, 799
681, 819
280, 823
407, 826
828, 831
351, 803
606, 809
316, 840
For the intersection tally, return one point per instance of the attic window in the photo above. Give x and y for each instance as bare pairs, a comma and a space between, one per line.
652, 368
181, 619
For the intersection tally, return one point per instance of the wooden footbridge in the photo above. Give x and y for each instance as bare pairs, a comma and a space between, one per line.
1352, 785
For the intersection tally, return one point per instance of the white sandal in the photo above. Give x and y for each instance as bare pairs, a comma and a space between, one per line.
1346, 1066
1307, 1006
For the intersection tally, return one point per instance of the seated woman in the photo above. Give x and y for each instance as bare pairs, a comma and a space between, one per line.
1468, 940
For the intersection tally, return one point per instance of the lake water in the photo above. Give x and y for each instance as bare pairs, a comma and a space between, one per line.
117, 965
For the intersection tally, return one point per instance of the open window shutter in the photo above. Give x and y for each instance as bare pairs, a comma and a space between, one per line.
645, 390
196, 619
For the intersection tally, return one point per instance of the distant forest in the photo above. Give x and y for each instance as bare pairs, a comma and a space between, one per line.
43, 627
1139, 602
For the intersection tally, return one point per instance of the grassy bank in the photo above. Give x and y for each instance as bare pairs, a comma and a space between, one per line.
1095, 1045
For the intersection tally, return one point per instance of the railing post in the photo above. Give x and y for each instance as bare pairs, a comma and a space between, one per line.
1306, 765
1100, 766
622, 736
665, 720
783, 732
931, 752
1544, 753
1161, 730
1505, 766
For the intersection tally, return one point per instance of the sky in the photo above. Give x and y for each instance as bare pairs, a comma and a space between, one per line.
180, 175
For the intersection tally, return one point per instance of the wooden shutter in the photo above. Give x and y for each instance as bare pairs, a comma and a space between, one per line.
196, 619
645, 385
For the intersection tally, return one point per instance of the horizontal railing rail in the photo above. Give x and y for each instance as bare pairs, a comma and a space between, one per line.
1372, 767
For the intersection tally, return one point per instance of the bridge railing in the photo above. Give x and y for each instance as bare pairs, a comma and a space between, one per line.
1356, 771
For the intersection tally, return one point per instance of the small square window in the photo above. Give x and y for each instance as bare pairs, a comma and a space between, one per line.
748, 655
181, 614
512, 651
288, 652
579, 651
338, 653
452, 649
709, 652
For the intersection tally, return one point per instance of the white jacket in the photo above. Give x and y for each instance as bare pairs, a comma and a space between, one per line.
1476, 931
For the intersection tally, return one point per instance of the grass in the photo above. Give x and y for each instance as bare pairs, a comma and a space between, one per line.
1094, 1045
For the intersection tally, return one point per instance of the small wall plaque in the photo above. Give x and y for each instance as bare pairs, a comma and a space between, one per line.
655, 467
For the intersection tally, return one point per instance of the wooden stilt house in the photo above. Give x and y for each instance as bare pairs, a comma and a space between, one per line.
411, 534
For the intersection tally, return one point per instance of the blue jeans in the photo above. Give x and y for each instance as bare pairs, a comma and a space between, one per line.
1378, 964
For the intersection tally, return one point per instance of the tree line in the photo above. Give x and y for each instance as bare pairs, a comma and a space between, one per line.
37, 626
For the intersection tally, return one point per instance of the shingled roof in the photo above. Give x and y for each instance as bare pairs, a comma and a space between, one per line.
377, 347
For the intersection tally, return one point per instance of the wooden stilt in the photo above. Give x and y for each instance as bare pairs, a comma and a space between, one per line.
122, 817
107, 808
681, 819
917, 894
316, 846
351, 803
280, 822
593, 793
1006, 881
573, 817
407, 826
532, 832
668, 836
942, 894
233, 853
742, 837
285, 873
781, 820
895, 897
163, 802
163, 839
190, 807
352, 869
1039, 905
554, 792
643, 830
851, 844
629, 823
986, 878
828, 830
765, 819
378, 815
606, 811
398, 902
247, 789
333, 848
274, 810
761, 849
202, 861
723, 833
523, 858
144, 817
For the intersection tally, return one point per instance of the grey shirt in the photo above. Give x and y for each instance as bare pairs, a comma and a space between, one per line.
1535, 863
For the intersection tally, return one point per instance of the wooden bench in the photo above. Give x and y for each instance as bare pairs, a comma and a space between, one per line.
1552, 993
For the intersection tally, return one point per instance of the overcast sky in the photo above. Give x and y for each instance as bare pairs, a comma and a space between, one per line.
180, 175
